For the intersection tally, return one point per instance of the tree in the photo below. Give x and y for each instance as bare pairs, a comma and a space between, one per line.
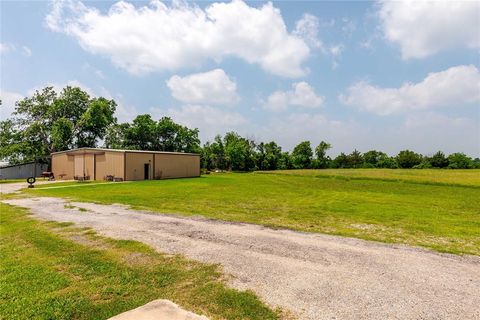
140, 134
47, 122
239, 152
302, 155
438, 160
268, 156
115, 136
285, 161
321, 153
218, 154
384, 161
355, 159
94, 122
341, 161
62, 134
408, 159
459, 161
144, 133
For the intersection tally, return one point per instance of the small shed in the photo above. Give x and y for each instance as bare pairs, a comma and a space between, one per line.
127, 165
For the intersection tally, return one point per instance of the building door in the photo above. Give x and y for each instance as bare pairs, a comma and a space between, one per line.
146, 171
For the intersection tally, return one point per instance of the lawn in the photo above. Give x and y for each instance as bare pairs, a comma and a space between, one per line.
433, 176
2, 181
52, 270
415, 210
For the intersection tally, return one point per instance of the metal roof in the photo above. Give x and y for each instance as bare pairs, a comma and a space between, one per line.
103, 150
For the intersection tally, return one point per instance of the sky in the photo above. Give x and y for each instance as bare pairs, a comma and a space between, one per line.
361, 75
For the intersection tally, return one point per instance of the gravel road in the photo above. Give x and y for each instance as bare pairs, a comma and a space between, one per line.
313, 276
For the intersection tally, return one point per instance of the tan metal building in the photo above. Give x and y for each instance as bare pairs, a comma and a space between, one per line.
128, 165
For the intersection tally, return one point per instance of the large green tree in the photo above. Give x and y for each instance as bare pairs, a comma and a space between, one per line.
323, 160
438, 160
144, 133
239, 152
408, 159
459, 161
302, 155
49, 121
268, 156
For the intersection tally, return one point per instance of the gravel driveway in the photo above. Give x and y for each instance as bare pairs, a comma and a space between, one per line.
313, 276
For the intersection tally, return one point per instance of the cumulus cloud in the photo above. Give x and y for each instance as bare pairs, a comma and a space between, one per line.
452, 87
423, 28
159, 37
212, 87
307, 28
9, 98
301, 95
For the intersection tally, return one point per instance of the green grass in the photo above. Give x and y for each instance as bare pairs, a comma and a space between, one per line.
440, 216
12, 180
54, 271
469, 177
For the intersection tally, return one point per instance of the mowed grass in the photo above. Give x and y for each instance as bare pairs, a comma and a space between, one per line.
52, 270
440, 216
469, 177
2, 181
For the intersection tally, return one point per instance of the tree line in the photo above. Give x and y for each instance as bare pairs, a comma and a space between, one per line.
49, 121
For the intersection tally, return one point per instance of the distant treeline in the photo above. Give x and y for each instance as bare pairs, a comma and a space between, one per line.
49, 121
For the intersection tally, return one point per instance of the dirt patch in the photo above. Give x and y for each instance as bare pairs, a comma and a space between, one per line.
312, 275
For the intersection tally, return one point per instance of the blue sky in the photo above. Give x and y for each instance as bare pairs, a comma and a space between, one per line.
365, 75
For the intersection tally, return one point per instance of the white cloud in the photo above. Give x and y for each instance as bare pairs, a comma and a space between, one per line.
453, 87
9, 99
160, 37
301, 95
307, 28
423, 28
212, 87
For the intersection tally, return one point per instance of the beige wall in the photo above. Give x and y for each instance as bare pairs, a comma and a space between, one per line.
84, 165
176, 166
63, 164
114, 165
162, 165
135, 165
100, 168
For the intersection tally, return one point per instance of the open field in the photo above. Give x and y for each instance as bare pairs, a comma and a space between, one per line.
424, 212
51, 270
469, 177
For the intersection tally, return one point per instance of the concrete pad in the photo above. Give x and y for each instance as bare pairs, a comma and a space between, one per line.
158, 310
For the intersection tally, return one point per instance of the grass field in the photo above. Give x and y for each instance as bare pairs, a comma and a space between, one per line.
2, 181
54, 271
469, 177
426, 209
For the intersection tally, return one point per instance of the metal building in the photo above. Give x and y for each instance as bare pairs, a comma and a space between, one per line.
128, 165
22, 171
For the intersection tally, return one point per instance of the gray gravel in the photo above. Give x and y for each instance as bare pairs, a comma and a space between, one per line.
313, 276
